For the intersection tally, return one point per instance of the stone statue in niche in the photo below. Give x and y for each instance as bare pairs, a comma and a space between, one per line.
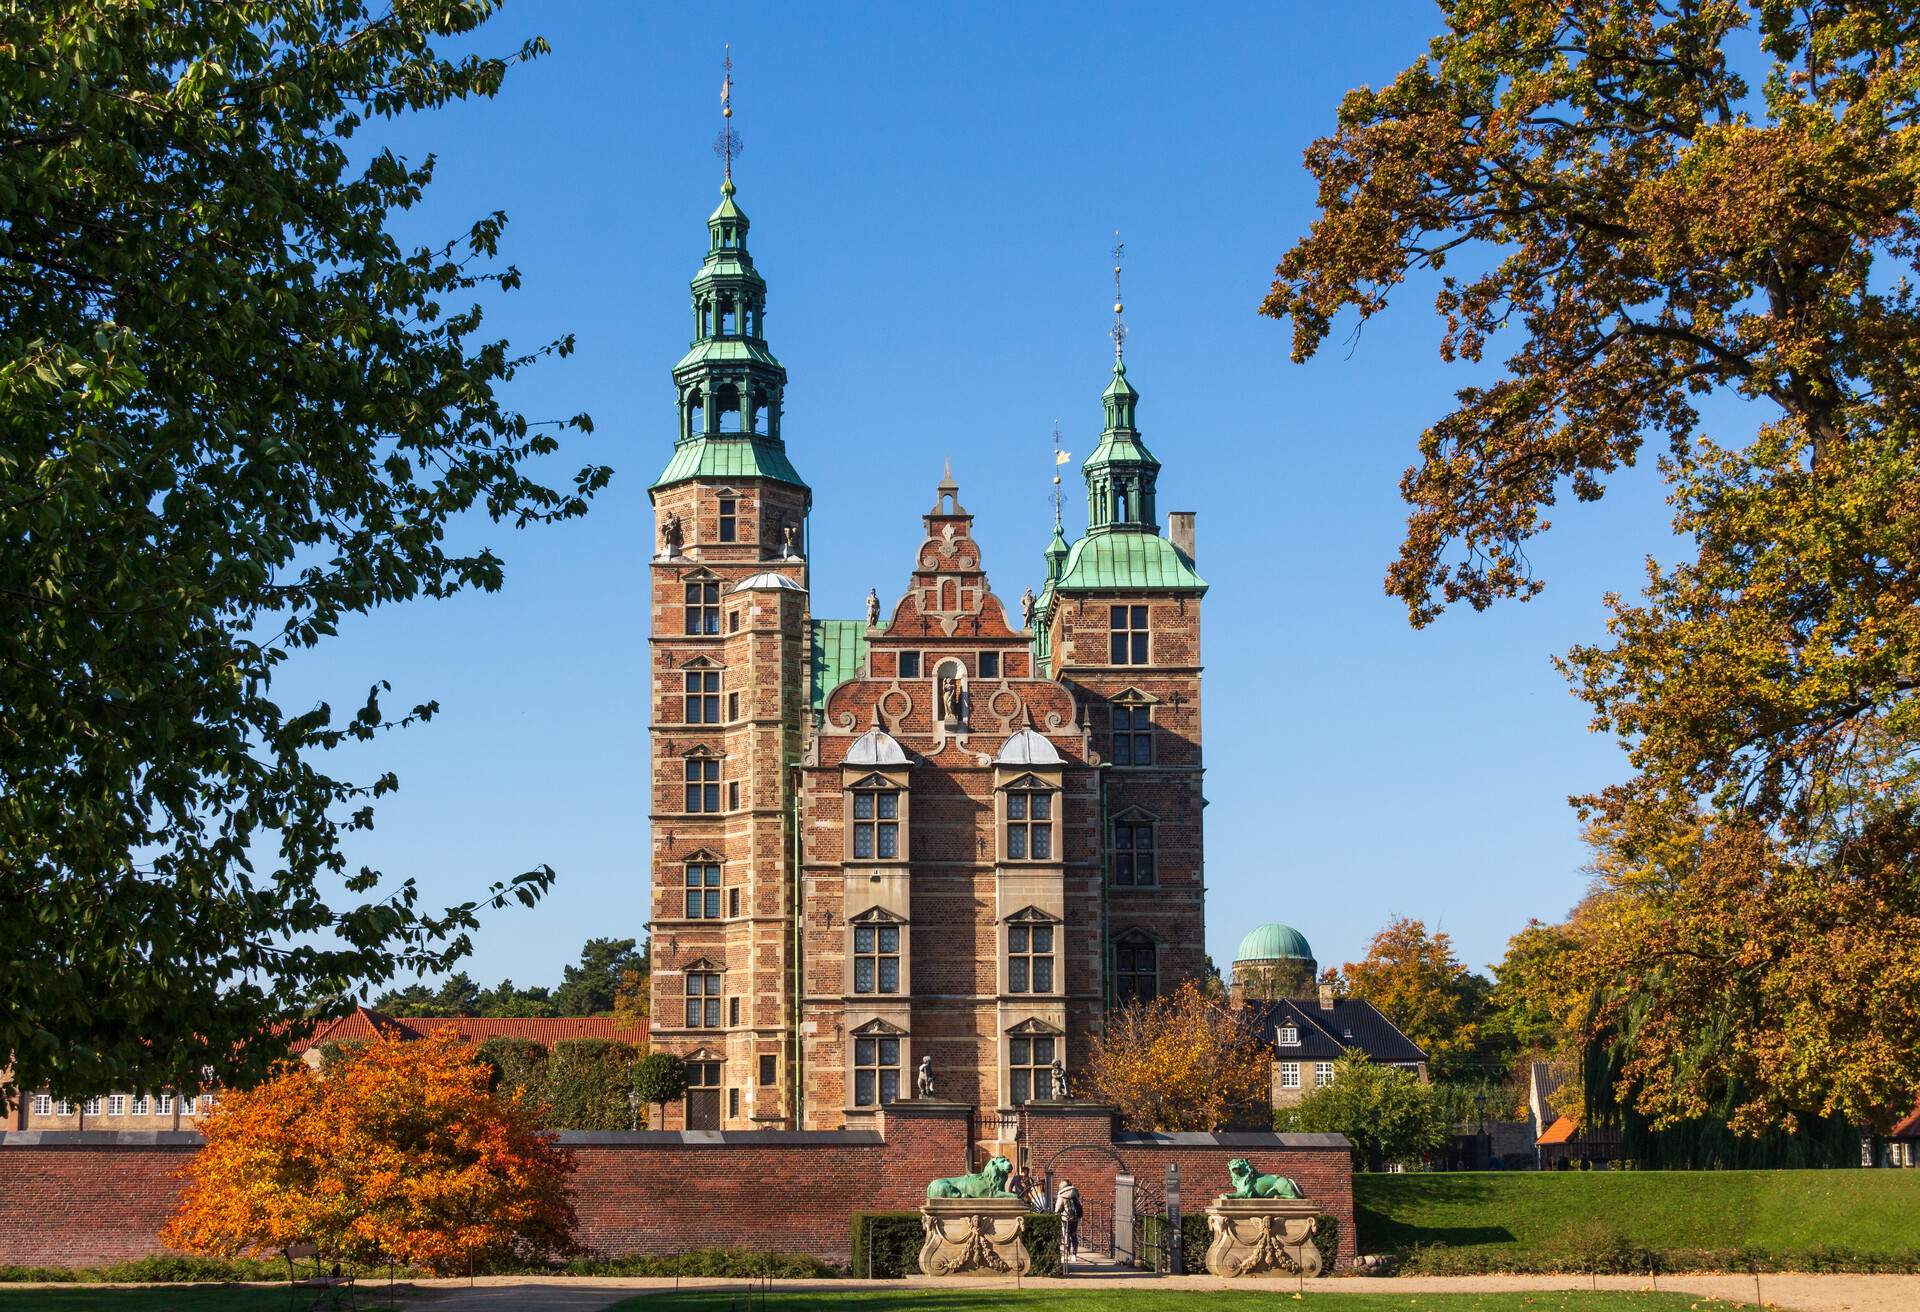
923, 1079
786, 541
670, 536
873, 608
1026, 609
952, 697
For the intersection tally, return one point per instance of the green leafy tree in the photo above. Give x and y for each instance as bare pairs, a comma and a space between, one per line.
1416, 981
658, 1079
590, 988
1647, 225
235, 411
1388, 1115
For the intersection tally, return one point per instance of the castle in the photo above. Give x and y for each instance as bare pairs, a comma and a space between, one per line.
947, 832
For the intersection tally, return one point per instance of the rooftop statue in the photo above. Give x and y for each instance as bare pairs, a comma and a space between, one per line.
988, 1183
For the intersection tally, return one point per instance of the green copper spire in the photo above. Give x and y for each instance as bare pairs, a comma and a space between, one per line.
728, 383
1121, 472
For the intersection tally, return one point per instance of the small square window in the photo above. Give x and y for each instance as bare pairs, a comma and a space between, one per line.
989, 664
909, 664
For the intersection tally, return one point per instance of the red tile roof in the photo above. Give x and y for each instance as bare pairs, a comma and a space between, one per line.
1910, 1127
364, 1023
1560, 1131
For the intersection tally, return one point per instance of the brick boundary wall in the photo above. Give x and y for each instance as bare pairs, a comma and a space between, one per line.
81, 1198
1079, 1142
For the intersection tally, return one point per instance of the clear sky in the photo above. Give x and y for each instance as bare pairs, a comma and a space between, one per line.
933, 198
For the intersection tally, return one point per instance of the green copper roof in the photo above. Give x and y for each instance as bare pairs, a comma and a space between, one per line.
729, 457
1120, 448
1275, 942
1127, 561
839, 653
726, 350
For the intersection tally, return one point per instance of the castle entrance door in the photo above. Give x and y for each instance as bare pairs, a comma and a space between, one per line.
703, 1095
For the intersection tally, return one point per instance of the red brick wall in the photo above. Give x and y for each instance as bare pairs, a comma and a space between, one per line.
1065, 1137
100, 1198
76, 1205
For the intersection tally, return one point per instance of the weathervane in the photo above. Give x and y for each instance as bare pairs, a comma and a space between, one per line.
1059, 458
1119, 306
728, 143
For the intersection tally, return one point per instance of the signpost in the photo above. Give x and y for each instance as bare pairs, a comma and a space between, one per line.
1174, 1257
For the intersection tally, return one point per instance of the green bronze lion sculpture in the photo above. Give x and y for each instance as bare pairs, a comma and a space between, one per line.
1247, 1183
989, 1183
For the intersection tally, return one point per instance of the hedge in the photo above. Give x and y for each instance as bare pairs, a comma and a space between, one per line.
886, 1245
519, 1065
733, 1263
588, 1085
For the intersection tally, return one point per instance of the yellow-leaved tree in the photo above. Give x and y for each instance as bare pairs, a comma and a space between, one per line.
1181, 1062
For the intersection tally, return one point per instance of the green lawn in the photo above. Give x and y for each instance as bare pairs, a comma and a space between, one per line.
922, 1299
1526, 1216
175, 1298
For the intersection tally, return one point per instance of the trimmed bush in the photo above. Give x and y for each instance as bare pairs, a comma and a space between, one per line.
1043, 1243
169, 1269
519, 1065
587, 1085
886, 1245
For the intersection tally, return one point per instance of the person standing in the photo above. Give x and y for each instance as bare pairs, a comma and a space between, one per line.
1066, 1206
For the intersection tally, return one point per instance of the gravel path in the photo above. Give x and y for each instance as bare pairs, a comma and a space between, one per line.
1801, 1293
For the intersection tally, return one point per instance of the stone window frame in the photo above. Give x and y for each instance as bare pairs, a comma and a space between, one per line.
707, 606
710, 779
1133, 702
866, 779
1133, 936
1028, 918
1029, 782
877, 918
1029, 1029
704, 668
918, 665
982, 659
726, 516
710, 1002
706, 859
879, 1032
701, 1058
1130, 625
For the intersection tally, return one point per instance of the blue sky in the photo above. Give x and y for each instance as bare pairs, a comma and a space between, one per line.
933, 198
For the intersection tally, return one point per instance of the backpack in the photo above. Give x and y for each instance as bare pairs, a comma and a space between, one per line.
1073, 1207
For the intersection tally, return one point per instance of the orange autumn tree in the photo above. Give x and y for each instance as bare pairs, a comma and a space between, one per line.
1181, 1062
398, 1152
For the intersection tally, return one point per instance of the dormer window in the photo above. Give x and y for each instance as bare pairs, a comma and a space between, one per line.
1289, 1036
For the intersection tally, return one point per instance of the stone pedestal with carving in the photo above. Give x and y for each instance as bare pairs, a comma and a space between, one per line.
1262, 1236
974, 1237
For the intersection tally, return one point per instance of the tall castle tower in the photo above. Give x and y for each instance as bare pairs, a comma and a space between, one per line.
948, 831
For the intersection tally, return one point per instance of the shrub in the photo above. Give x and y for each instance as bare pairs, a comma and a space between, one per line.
1149, 1231
587, 1085
659, 1078
886, 1245
1043, 1244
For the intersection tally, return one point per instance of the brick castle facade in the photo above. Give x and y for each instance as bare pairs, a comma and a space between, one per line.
955, 829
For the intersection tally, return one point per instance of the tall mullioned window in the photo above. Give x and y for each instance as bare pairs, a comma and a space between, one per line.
1029, 958
1030, 1061
1029, 825
703, 891
1133, 854
703, 608
876, 1070
876, 824
876, 958
703, 696
703, 784
1127, 635
1132, 735
729, 519
1136, 969
703, 999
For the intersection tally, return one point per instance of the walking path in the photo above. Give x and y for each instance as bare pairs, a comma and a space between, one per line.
1801, 1293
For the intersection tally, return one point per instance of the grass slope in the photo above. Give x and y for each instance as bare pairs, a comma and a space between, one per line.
1534, 1216
922, 1299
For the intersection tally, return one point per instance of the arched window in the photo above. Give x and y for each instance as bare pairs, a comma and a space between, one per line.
727, 316
727, 408
696, 411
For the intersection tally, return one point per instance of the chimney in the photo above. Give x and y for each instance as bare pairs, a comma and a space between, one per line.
1180, 531
1326, 997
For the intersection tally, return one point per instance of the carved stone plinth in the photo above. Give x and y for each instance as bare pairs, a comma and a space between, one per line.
974, 1237
1262, 1236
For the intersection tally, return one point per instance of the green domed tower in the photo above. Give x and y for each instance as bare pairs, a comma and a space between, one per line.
1274, 961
